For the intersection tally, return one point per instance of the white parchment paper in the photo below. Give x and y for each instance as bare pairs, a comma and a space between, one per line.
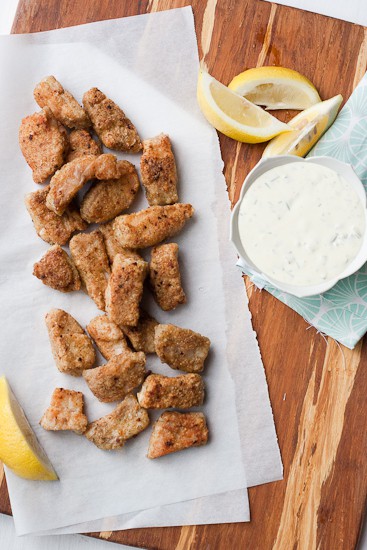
148, 65
354, 10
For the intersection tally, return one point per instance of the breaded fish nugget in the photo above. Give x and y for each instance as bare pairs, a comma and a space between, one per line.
67, 181
109, 338
48, 225
73, 351
90, 257
126, 420
158, 171
176, 431
151, 226
56, 270
181, 348
125, 290
65, 108
81, 144
163, 392
141, 337
113, 246
73, 176
118, 377
107, 198
110, 123
165, 278
65, 412
44, 144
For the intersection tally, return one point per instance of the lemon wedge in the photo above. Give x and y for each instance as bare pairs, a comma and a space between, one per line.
307, 128
275, 88
19, 448
234, 115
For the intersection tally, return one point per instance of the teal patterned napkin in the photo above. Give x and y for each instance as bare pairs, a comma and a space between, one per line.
341, 312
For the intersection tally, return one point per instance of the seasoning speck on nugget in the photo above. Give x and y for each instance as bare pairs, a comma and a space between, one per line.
151, 226
142, 336
126, 420
65, 108
72, 349
125, 290
65, 412
180, 392
158, 171
48, 225
90, 257
120, 376
81, 144
113, 246
44, 143
181, 348
107, 198
165, 278
73, 176
56, 270
109, 338
110, 123
176, 431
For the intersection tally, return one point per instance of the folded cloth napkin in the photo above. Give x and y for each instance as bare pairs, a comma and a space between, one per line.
341, 312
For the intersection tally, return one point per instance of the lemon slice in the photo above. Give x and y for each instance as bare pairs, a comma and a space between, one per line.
276, 88
308, 127
19, 448
234, 115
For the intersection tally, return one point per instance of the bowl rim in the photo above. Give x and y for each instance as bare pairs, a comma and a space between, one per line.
266, 164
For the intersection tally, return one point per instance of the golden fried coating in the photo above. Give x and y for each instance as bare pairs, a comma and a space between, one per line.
165, 278
90, 257
68, 181
65, 108
56, 270
126, 420
118, 377
107, 198
110, 123
81, 144
44, 144
142, 336
109, 338
176, 431
180, 392
113, 246
65, 412
158, 171
72, 349
125, 290
151, 226
181, 348
73, 176
49, 226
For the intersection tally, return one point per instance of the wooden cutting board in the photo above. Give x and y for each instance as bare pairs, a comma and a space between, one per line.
317, 389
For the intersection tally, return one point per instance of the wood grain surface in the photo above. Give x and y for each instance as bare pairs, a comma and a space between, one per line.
317, 388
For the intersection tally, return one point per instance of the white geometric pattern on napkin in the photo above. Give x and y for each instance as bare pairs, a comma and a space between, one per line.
341, 312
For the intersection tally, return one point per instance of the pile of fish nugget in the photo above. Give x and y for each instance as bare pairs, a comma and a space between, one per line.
63, 145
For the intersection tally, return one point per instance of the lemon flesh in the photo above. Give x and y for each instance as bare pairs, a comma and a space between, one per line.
276, 88
307, 128
19, 448
233, 115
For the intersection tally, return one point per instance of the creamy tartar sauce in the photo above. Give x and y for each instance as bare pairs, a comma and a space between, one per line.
301, 223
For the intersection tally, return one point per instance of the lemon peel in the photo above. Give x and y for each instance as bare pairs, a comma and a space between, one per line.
19, 448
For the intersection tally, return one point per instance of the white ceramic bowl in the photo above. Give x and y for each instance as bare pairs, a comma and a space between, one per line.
267, 164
